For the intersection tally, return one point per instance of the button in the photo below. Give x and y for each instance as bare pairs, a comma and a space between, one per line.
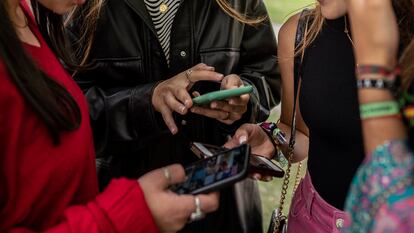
163, 8
339, 223
183, 54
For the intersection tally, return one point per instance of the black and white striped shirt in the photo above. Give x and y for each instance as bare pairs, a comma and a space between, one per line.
162, 13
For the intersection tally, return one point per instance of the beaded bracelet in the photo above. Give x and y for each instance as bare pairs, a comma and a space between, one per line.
379, 109
278, 138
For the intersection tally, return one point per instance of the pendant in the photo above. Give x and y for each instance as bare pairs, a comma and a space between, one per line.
163, 8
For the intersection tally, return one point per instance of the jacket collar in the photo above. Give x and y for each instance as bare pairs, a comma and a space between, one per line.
138, 6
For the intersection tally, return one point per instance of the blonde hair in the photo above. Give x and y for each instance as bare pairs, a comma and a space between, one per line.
244, 18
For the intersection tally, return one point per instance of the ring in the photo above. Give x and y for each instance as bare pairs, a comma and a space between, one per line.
197, 214
188, 75
227, 117
167, 174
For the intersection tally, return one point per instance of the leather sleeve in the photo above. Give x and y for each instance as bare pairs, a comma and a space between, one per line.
258, 65
117, 113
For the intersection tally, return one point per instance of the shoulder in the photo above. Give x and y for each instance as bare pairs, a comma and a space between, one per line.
287, 33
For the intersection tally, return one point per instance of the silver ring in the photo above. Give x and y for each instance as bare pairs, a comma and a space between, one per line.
167, 174
197, 214
188, 75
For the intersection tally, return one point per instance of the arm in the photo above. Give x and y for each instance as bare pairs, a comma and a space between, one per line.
383, 182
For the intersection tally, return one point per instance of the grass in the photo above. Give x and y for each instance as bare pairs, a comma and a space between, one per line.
280, 10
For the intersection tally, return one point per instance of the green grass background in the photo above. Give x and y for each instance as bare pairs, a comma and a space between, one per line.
279, 11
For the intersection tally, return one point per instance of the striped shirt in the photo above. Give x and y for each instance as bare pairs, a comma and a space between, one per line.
162, 13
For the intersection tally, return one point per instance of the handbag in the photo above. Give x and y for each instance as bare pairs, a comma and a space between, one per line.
279, 222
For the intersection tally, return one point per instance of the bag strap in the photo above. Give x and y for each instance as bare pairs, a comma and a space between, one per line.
297, 71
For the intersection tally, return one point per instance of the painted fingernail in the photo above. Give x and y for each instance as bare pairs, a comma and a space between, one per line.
242, 139
220, 75
213, 105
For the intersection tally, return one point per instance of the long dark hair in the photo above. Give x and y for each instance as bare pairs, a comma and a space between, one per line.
49, 100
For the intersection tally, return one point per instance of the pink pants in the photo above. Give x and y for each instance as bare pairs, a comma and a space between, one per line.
309, 213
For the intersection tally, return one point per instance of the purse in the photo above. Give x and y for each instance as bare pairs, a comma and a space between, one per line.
279, 221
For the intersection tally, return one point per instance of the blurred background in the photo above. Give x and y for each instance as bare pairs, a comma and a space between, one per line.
280, 11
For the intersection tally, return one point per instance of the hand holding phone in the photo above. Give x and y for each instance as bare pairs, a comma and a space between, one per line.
215, 172
257, 163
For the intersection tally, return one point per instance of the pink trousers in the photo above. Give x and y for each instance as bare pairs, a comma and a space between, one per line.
309, 213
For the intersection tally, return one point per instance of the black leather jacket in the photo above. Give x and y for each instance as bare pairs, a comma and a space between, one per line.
128, 61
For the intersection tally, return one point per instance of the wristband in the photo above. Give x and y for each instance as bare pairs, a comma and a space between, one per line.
379, 109
375, 83
376, 69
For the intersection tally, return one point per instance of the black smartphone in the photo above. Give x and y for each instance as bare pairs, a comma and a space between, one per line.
215, 172
257, 163
264, 166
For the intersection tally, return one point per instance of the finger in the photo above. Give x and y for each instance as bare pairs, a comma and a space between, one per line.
231, 81
226, 107
168, 119
196, 93
242, 100
215, 114
206, 75
203, 66
175, 105
184, 97
209, 202
164, 177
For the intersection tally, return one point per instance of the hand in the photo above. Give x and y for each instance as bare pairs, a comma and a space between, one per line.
228, 111
374, 31
259, 142
171, 211
172, 94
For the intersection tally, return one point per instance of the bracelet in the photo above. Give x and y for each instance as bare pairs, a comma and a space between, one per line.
376, 69
379, 109
277, 135
375, 83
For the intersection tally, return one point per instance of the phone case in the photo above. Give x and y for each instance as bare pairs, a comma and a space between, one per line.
221, 95
264, 166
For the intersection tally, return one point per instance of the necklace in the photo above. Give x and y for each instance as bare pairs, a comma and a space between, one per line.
347, 32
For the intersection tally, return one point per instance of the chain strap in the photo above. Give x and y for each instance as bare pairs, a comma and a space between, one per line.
298, 177
279, 217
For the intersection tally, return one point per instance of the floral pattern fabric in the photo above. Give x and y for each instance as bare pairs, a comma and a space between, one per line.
381, 198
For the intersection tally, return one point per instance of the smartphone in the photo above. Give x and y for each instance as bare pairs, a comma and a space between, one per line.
264, 166
221, 95
215, 172
257, 163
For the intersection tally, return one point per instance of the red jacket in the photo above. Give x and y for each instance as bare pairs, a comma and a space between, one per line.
54, 188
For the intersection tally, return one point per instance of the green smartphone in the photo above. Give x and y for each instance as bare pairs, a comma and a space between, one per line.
221, 95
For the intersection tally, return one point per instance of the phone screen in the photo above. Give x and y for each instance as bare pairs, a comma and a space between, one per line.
215, 172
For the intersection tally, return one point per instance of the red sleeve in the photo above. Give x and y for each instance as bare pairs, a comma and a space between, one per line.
120, 208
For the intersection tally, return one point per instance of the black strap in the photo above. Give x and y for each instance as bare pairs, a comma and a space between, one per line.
297, 71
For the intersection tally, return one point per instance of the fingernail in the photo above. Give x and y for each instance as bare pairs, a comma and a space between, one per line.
256, 176
268, 179
210, 67
220, 75
173, 130
213, 105
187, 103
243, 139
182, 109
231, 102
193, 110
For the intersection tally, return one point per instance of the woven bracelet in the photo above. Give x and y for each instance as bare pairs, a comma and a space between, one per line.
375, 83
379, 109
376, 69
